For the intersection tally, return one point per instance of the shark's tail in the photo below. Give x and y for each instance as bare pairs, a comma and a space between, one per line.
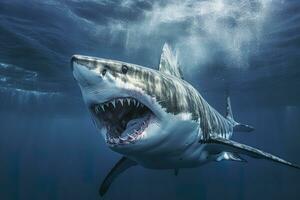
238, 127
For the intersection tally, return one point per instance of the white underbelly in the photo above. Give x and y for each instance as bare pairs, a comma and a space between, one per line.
181, 149
192, 156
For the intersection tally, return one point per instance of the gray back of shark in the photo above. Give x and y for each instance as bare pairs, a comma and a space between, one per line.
173, 144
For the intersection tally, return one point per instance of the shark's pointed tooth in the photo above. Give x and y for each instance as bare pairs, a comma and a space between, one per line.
114, 103
102, 106
134, 134
137, 104
121, 101
130, 136
128, 101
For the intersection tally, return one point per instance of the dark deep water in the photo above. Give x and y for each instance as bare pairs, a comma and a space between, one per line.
49, 148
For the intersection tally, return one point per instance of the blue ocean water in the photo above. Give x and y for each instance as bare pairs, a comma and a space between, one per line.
49, 148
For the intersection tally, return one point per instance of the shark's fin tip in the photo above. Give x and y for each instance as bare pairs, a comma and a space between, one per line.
169, 62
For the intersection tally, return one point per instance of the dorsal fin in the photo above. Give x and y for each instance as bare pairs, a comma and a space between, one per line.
229, 114
169, 62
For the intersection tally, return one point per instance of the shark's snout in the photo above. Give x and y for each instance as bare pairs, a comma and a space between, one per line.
79, 59
73, 60
84, 73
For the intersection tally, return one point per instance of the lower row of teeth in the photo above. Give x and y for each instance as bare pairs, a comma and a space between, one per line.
130, 138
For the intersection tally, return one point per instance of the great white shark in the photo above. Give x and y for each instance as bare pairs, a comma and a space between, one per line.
156, 119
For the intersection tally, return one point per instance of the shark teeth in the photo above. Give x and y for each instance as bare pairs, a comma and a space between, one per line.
128, 138
114, 103
121, 101
116, 124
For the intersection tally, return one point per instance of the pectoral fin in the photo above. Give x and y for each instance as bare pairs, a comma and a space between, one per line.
229, 156
123, 164
235, 147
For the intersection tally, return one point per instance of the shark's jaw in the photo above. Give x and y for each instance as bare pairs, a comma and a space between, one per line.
125, 115
124, 120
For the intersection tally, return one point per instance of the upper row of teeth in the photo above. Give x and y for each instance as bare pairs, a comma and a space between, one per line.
122, 101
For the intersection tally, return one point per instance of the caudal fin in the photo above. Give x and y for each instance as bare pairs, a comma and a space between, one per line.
238, 127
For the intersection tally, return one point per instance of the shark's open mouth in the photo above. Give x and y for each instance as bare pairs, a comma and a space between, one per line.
125, 119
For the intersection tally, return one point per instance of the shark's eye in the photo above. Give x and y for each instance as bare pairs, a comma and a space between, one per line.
124, 69
103, 72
